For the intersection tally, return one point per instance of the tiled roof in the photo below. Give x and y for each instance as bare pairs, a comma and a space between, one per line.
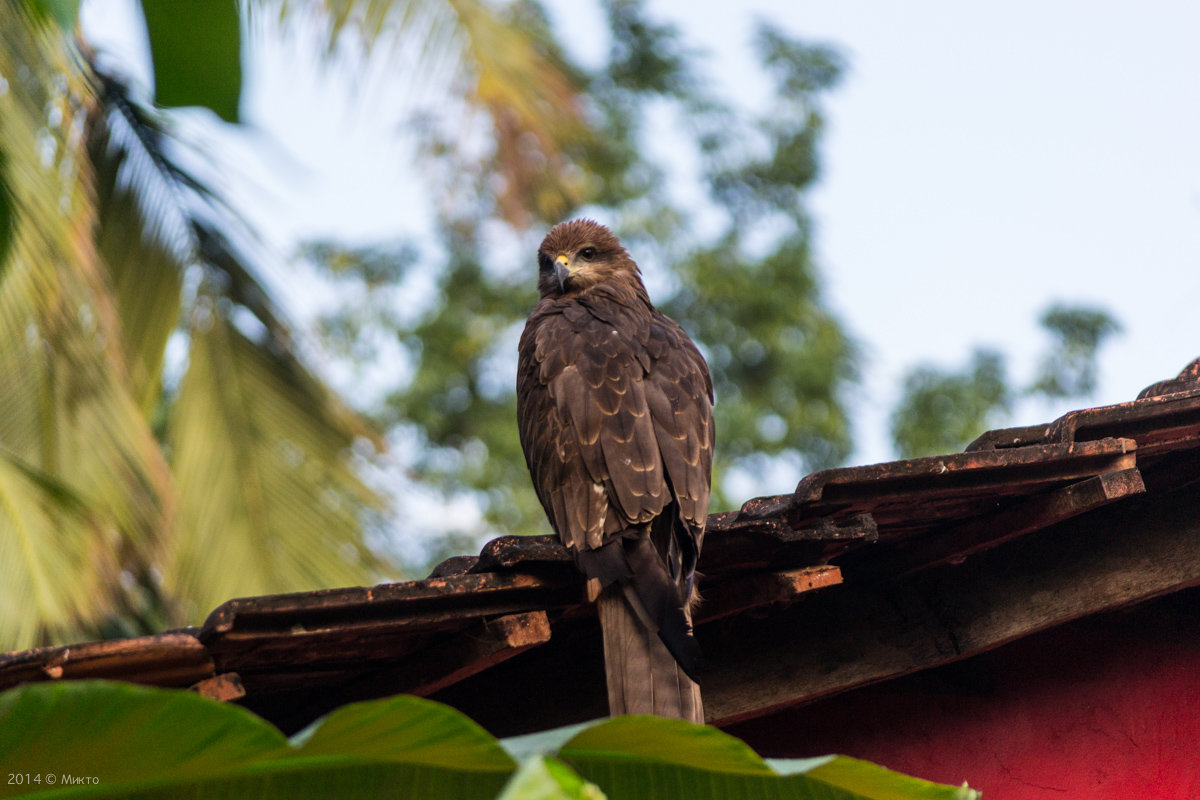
482, 628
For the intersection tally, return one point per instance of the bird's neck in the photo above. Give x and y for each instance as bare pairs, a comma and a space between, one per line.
630, 292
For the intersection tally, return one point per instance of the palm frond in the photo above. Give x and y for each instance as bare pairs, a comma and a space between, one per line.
35, 512
141, 250
269, 501
249, 523
499, 63
156, 219
84, 492
372, 22
6, 214
536, 112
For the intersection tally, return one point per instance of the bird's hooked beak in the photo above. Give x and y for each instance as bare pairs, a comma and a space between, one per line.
562, 271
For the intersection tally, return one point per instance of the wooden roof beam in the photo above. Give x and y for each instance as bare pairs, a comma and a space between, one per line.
864, 632
956, 542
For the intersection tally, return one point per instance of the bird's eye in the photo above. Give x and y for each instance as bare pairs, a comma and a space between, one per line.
587, 253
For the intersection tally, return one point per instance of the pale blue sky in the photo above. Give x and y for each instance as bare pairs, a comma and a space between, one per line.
985, 158
981, 160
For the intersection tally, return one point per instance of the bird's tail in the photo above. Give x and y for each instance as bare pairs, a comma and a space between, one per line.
643, 676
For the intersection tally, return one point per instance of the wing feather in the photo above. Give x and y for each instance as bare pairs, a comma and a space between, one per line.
567, 491
624, 403
679, 396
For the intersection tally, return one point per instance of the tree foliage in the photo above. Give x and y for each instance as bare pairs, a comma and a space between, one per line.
1068, 369
940, 411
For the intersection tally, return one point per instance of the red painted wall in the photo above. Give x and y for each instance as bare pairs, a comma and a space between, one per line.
1103, 708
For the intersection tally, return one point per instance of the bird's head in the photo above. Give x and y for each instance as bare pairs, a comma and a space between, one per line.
579, 254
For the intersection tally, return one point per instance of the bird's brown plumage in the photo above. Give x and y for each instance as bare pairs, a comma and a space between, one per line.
614, 404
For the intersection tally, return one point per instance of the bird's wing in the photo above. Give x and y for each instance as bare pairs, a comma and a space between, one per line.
616, 422
680, 397
585, 423
576, 512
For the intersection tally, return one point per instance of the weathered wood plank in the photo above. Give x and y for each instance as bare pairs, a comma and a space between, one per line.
958, 541
224, 687
473, 651
754, 591
967, 472
315, 610
168, 659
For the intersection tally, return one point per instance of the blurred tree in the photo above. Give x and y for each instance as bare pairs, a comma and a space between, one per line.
942, 411
128, 502
1068, 369
726, 251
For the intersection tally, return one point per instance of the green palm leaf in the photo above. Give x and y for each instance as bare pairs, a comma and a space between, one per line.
259, 527
536, 114
503, 68
143, 251
268, 500
83, 488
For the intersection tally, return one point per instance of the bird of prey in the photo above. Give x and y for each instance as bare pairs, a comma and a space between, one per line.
614, 404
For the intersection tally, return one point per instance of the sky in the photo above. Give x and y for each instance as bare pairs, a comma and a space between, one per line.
984, 159
981, 160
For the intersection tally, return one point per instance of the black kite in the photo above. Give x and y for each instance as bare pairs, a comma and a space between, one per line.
614, 403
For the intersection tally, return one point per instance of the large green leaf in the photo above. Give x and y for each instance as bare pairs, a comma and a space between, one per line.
150, 743
546, 778
269, 501
625, 755
848, 778
196, 48
120, 733
157, 743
